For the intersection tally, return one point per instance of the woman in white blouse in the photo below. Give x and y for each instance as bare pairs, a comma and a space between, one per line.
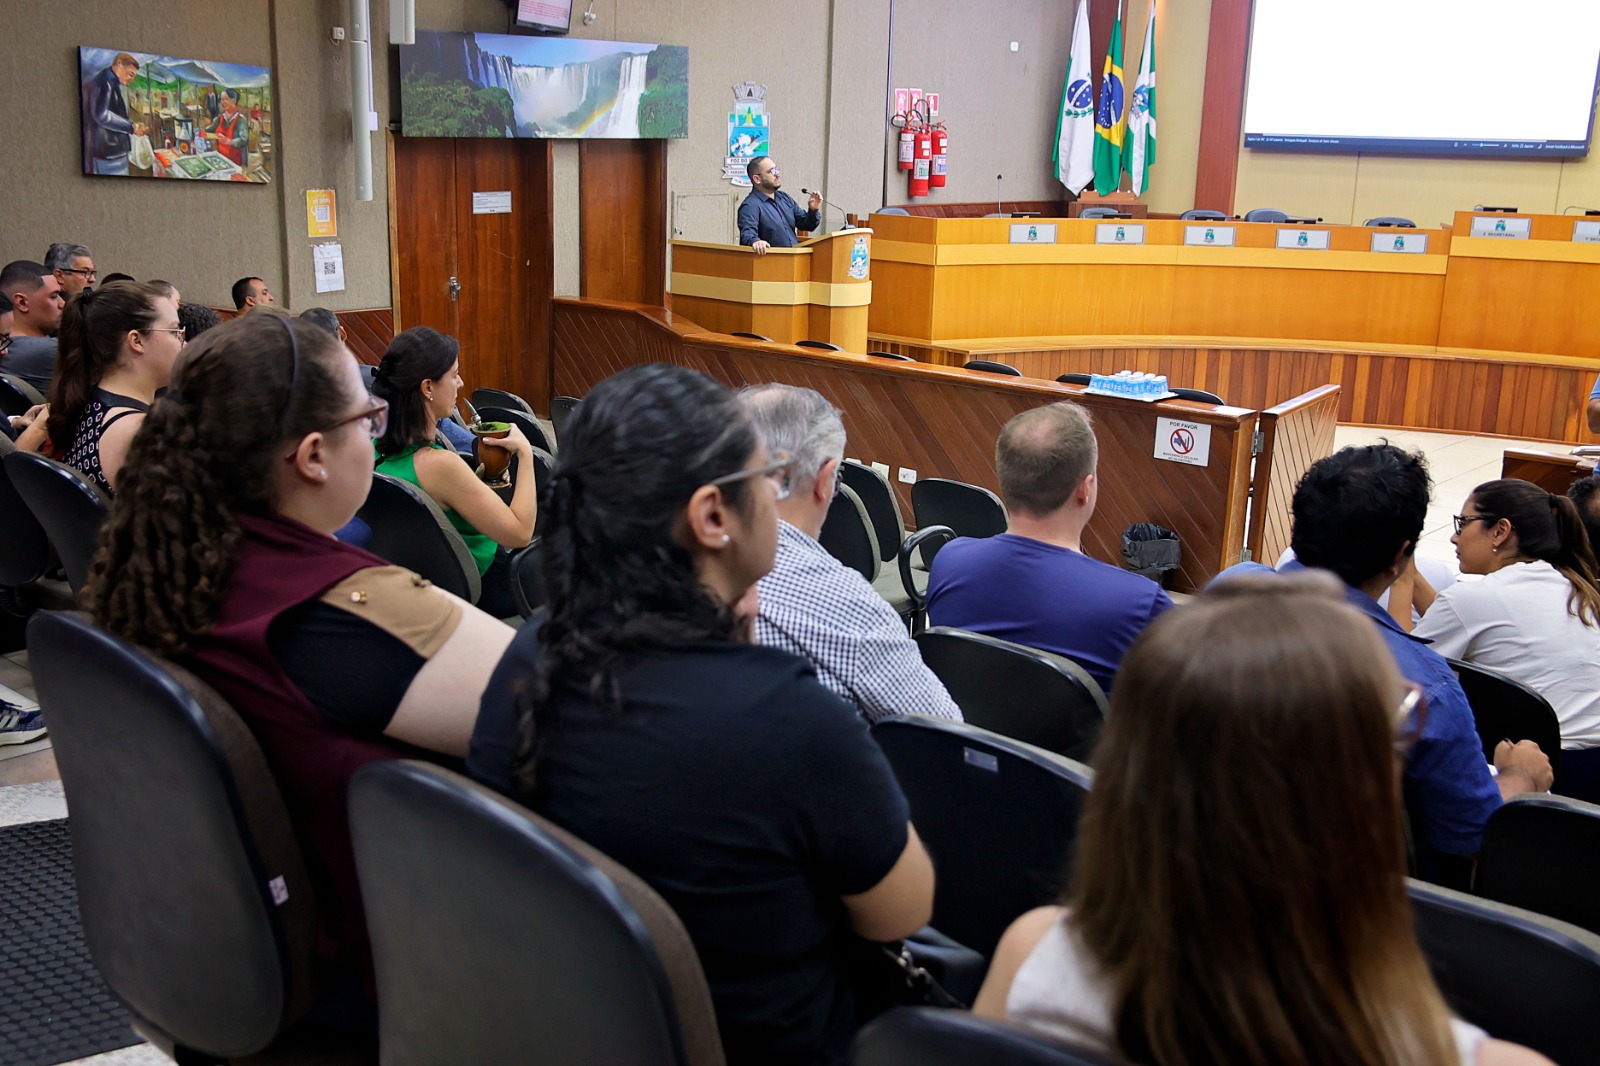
1535, 616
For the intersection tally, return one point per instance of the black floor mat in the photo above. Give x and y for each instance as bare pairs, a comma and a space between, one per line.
54, 1007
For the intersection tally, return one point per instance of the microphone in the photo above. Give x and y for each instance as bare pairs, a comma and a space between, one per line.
828, 202
997, 208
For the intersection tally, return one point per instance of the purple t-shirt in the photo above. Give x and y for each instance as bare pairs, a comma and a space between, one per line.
1043, 596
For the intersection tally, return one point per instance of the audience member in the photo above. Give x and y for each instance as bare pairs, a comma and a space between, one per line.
248, 292
265, 310
116, 276
639, 717
1221, 910
1585, 493
811, 603
168, 289
1535, 616
321, 316
1359, 513
420, 376
14, 425
265, 439
5, 325
118, 344
36, 304
196, 319
1032, 584
73, 267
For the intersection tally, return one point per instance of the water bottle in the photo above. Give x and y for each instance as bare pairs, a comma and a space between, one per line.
1161, 385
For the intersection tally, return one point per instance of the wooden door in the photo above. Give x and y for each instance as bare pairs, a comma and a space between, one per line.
485, 278
623, 220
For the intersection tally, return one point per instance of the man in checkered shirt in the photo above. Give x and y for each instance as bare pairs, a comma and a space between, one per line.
814, 605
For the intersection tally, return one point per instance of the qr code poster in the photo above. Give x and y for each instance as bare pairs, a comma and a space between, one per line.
327, 263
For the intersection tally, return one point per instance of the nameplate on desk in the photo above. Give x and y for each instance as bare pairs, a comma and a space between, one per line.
1586, 232
1389, 240
1517, 229
1119, 233
1315, 239
1209, 236
1033, 233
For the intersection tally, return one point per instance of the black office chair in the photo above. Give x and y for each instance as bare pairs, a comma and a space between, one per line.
924, 542
1029, 695
969, 510
409, 530
1542, 853
1102, 212
883, 509
523, 420
1197, 395
824, 345
928, 1036
561, 409
17, 396
69, 506
750, 336
1523, 977
500, 398
1074, 379
991, 367
891, 211
847, 534
368, 372
527, 580
193, 893
1391, 220
998, 817
499, 938
25, 554
1504, 708
1201, 214
892, 355
1266, 214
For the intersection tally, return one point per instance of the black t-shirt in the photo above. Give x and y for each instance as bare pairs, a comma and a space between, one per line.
354, 672
749, 797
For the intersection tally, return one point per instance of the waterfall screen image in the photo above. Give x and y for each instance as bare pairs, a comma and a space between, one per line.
497, 85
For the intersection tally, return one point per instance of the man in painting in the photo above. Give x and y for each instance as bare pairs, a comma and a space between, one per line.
231, 131
108, 132
213, 102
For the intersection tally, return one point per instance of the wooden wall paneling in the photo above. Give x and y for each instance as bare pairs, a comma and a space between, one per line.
368, 332
977, 209
1294, 435
1222, 110
622, 204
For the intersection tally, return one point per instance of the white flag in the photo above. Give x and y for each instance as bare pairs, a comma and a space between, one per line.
1142, 112
1074, 152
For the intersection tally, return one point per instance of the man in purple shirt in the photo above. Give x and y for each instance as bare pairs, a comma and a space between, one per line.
1032, 584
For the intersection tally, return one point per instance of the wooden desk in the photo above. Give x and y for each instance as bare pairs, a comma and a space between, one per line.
1553, 473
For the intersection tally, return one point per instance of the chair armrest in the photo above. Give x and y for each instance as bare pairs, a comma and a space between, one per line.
941, 534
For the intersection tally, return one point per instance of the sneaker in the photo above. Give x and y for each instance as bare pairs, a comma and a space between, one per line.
18, 726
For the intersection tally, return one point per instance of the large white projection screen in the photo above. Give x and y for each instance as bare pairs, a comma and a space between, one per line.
1423, 77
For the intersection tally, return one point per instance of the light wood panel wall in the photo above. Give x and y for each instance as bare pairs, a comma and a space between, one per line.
1294, 435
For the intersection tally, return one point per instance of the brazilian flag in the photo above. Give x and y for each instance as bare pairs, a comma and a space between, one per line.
1111, 118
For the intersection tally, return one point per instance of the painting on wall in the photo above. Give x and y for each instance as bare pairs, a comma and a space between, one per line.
498, 85
153, 116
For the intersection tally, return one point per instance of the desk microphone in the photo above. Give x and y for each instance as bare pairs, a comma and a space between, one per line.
1588, 211
999, 210
828, 202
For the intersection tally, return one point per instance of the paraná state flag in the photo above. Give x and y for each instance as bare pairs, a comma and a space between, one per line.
1111, 120
1142, 112
1074, 153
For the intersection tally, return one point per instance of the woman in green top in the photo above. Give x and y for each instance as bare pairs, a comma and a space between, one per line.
420, 376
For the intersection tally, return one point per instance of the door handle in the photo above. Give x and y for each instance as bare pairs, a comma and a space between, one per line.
455, 288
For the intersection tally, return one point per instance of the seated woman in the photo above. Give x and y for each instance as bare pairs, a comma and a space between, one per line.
1535, 616
640, 717
218, 554
419, 377
1238, 893
117, 346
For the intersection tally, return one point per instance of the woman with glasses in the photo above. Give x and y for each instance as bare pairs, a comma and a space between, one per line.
638, 715
1534, 616
420, 376
219, 554
1238, 890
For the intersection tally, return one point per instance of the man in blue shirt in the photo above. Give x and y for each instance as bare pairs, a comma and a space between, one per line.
1032, 584
1359, 513
1593, 411
769, 217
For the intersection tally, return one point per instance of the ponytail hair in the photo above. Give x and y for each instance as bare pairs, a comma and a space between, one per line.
415, 355
1550, 529
94, 327
207, 452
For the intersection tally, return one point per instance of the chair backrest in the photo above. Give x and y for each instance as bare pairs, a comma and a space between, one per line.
193, 892
749, 336
1391, 220
25, 554
368, 372
891, 211
1542, 853
500, 398
69, 506
1503, 707
824, 345
847, 534
1197, 395
1201, 214
1019, 692
876, 495
16, 395
999, 819
410, 530
970, 510
1100, 212
892, 355
561, 409
523, 420
1073, 379
527, 582
991, 367
1266, 214
497, 937
1523, 977
928, 1036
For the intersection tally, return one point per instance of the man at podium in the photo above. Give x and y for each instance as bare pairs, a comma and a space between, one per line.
769, 217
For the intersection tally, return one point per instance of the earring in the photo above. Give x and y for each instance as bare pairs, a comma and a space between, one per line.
323, 474
1495, 548
726, 538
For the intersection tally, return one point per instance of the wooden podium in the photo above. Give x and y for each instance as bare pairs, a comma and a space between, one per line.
817, 291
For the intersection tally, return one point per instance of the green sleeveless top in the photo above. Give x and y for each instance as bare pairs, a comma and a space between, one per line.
403, 465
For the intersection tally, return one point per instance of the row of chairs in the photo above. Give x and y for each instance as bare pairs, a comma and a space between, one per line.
195, 898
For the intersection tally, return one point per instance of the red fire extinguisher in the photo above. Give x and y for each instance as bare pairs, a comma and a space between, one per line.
907, 141
941, 156
922, 163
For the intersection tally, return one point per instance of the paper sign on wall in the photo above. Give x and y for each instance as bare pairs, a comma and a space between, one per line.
327, 261
491, 203
1178, 441
321, 220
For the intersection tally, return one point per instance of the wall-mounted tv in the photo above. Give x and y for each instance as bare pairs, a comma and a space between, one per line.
545, 16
